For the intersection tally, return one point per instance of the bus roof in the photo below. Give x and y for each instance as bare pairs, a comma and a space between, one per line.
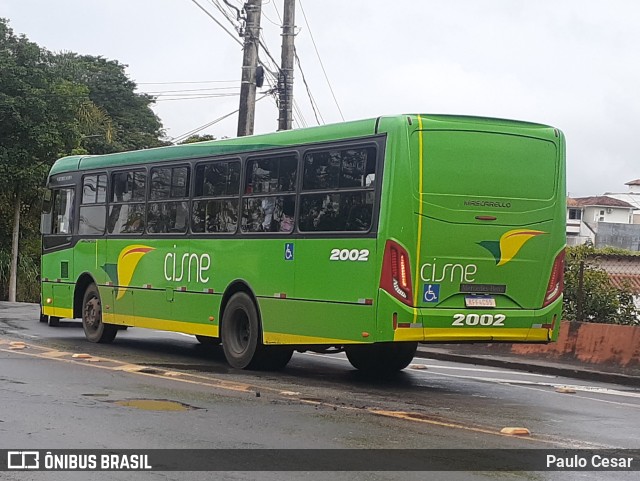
338, 131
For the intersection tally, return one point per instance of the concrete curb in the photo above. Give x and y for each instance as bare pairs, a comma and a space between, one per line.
530, 366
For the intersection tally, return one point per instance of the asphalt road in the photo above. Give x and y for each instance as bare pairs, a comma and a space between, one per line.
51, 400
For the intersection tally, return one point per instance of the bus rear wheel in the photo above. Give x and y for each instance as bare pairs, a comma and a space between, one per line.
383, 357
241, 336
274, 358
94, 329
208, 340
240, 331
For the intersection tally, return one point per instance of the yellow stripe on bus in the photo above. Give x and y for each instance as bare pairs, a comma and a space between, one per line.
440, 334
162, 324
61, 312
296, 339
420, 163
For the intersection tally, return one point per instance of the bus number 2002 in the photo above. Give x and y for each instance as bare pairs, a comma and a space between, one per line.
349, 255
478, 320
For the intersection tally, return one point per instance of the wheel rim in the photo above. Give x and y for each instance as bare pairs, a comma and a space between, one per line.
92, 314
240, 332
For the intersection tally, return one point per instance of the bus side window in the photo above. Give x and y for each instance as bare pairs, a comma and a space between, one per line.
45, 219
261, 210
62, 211
93, 207
347, 177
170, 185
127, 209
215, 200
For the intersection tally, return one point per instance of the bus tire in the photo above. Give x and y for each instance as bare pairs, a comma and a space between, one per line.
383, 357
44, 317
208, 340
54, 321
94, 329
240, 332
274, 358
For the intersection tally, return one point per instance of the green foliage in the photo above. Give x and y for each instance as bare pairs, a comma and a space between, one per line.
601, 301
197, 138
28, 273
116, 118
52, 105
37, 113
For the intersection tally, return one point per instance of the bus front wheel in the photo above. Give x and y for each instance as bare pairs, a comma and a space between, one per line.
94, 329
381, 357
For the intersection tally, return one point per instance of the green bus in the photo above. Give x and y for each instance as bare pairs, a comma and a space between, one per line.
367, 236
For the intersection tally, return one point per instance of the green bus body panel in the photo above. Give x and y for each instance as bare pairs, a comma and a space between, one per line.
515, 176
213, 148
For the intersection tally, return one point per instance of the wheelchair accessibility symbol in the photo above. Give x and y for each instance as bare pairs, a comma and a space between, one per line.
431, 293
288, 251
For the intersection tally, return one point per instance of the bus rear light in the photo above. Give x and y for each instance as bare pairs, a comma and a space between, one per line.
556, 280
396, 273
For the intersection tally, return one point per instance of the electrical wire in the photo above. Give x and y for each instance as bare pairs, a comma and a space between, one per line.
218, 22
217, 96
311, 99
186, 135
321, 64
187, 82
164, 92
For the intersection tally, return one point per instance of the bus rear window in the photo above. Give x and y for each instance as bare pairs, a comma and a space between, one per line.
482, 164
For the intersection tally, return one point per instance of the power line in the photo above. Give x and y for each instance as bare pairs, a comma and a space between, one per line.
311, 99
220, 24
163, 92
304, 15
208, 124
187, 82
214, 96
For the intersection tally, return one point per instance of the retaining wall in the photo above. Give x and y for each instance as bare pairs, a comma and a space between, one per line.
605, 347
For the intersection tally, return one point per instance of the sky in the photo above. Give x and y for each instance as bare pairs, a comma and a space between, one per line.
572, 64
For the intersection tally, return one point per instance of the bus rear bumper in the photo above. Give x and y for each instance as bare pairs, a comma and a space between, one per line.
472, 325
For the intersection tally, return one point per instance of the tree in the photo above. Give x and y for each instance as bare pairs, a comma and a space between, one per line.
118, 118
197, 138
599, 301
37, 124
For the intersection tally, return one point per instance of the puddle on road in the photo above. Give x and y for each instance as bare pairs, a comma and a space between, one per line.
154, 405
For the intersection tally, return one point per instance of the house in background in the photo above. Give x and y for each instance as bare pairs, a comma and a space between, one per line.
632, 197
602, 221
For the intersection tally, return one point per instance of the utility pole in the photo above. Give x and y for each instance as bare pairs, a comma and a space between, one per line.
285, 79
246, 114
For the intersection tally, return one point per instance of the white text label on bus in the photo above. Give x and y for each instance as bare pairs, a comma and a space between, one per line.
176, 267
496, 320
437, 273
349, 255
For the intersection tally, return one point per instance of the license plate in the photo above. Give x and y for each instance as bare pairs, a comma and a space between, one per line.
478, 301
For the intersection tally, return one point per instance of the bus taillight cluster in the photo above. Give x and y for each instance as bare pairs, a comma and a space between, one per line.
396, 273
